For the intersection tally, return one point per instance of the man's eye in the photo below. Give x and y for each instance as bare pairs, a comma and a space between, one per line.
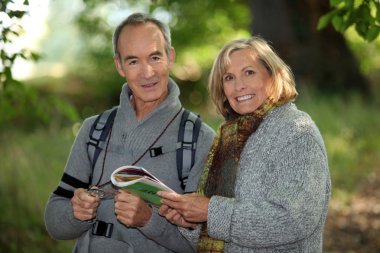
132, 62
156, 58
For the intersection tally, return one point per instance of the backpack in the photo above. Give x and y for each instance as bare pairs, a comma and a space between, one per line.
186, 145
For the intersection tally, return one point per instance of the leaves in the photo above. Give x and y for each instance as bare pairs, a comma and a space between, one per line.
338, 23
325, 20
16, 14
7, 33
18, 103
372, 32
364, 15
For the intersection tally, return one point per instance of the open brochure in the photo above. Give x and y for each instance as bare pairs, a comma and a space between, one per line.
139, 181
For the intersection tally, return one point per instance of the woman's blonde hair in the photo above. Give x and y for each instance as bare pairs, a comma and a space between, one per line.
283, 85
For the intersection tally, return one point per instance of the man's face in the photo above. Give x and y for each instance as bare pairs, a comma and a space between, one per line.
144, 63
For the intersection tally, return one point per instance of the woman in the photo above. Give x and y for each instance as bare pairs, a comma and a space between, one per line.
266, 184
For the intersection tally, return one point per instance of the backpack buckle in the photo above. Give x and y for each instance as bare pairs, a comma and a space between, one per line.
155, 151
93, 142
102, 228
188, 145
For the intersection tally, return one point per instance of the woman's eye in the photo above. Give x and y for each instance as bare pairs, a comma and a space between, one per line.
249, 72
227, 78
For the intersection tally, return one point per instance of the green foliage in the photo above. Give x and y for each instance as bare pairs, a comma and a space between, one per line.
364, 15
368, 57
28, 108
32, 165
11, 29
20, 105
349, 127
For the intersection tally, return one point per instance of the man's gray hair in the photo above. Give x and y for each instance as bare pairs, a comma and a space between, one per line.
138, 19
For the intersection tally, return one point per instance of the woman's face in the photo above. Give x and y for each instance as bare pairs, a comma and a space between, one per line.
246, 82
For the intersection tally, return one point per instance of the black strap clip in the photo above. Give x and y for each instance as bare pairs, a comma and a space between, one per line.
155, 151
102, 228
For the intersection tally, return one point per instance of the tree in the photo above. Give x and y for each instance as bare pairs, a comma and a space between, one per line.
18, 103
364, 15
10, 30
319, 58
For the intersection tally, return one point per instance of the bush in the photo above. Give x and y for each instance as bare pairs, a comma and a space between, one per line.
27, 108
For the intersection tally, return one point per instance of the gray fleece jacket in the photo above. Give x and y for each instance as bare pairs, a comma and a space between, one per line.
282, 189
130, 138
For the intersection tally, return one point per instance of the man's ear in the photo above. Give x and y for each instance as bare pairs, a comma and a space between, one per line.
118, 65
171, 57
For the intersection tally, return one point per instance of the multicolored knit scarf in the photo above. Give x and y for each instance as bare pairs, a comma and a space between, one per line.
219, 174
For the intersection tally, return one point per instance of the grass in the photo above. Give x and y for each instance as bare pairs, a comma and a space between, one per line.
350, 130
32, 165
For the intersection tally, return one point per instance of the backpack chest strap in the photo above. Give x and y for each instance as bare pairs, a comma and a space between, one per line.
186, 146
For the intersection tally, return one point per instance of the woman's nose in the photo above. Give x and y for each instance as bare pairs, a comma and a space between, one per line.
239, 84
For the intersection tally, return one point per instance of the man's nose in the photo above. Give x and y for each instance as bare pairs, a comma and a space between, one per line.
147, 70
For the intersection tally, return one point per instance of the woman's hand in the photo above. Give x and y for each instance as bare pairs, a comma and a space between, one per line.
192, 207
174, 217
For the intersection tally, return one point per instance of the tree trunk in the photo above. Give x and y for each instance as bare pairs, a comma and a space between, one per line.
320, 59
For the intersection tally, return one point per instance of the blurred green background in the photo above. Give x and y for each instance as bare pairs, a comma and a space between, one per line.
57, 68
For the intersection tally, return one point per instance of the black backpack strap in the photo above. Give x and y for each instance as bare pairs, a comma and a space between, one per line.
98, 135
188, 133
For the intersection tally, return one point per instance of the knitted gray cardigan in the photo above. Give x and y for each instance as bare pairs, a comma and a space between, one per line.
282, 189
130, 138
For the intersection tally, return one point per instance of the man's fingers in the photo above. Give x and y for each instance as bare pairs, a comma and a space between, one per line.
83, 196
125, 196
84, 206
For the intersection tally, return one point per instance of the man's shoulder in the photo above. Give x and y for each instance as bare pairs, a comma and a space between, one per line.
205, 130
91, 120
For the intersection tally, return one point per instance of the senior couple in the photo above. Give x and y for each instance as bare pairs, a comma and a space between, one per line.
261, 184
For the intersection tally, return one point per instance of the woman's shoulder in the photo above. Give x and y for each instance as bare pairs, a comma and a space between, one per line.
288, 114
288, 120
281, 127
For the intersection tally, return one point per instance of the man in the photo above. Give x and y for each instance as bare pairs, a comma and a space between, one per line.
148, 116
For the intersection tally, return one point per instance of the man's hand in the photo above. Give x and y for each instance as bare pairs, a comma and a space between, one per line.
192, 207
84, 205
131, 210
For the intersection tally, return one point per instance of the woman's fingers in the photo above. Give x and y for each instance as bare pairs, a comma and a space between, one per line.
170, 195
